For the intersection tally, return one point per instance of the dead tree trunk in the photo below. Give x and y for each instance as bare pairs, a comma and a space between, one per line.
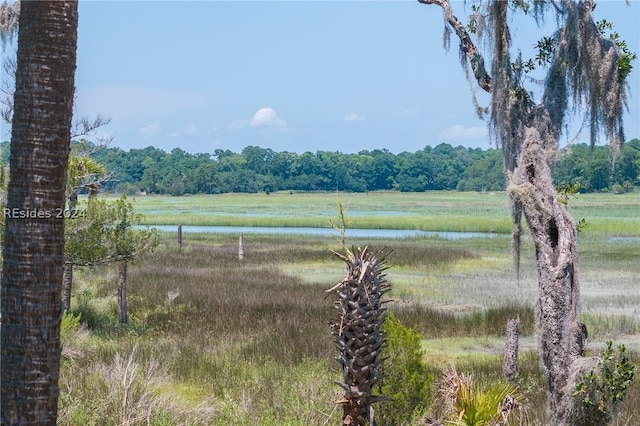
510, 364
122, 291
583, 69
554, 234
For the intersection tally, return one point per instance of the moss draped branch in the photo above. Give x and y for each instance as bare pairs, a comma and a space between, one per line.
467, 46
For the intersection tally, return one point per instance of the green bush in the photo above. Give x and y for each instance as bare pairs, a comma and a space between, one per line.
605, 387
69, 324
405, 378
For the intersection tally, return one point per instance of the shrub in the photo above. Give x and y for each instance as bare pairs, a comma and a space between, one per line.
127, 189
405, 378
605, 387
73, 335
124, 391
69, 324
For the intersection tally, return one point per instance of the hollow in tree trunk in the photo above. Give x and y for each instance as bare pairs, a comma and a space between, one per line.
583, 70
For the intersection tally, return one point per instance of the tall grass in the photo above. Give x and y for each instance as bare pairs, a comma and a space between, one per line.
434, 323
223, 330
247, 342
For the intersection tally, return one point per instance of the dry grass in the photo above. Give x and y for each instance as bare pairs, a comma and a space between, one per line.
245, 342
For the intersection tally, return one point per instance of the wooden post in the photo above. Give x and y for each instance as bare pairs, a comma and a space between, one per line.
510, 365
180, 237
241, 247
122, 291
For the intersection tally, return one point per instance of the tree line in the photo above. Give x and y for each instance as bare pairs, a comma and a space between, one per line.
591, 168
255, 169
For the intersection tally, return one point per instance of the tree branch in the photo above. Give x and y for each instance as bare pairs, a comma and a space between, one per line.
86, 127
466, 45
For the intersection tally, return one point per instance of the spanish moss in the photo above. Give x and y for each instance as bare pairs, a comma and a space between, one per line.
9, 14
584, 76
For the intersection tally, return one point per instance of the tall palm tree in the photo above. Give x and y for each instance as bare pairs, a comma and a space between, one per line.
34, 234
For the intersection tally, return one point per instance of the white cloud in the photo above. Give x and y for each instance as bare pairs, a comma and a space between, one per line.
463, 132
149, 130
354, 116
263, 118
267, 117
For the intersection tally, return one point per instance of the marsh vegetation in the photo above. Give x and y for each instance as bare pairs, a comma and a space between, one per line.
215, 340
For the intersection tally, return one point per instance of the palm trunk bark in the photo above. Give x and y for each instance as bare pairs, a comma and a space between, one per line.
122, 291
34, 238
358, 332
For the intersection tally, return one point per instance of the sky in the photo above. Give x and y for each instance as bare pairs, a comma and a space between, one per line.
291, 76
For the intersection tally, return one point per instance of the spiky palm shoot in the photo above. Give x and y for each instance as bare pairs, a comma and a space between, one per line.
358, 330
468, 404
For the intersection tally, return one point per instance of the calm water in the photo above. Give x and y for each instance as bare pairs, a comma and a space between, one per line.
354, 233
628, 240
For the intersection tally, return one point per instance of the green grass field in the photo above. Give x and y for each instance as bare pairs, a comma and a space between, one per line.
215, 340
616, 215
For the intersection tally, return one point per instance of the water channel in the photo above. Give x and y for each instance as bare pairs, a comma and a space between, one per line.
354, 233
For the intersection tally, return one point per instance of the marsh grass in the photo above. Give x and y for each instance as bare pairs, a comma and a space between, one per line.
601, 326
243, 334
606, 214
247, 342
265, 312
435, 323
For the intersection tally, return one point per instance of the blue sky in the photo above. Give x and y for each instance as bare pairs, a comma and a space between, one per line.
291, 76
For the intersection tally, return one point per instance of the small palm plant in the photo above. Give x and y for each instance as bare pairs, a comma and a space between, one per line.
358, 331
470, 405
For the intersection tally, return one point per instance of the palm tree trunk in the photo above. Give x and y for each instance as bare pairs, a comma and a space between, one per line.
122, 291
358, 332
34, 238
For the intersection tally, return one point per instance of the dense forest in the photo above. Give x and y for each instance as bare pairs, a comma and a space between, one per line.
254, 169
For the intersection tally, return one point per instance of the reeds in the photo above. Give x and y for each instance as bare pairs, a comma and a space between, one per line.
434, 323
